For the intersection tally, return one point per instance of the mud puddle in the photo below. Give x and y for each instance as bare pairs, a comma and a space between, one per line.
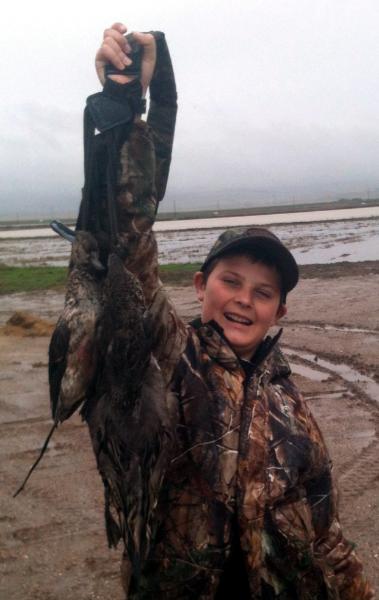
347, 373
308, 372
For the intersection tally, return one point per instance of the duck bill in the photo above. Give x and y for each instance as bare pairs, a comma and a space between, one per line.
62, 230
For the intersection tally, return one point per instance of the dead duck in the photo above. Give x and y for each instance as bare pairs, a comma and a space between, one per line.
72, 349
128, 416
72, 356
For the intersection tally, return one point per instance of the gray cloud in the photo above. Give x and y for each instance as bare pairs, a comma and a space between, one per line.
277, 100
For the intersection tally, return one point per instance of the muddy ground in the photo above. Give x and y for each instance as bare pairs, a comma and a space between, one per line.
53, 545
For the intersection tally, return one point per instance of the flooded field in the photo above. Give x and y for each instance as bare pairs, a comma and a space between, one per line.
315, 242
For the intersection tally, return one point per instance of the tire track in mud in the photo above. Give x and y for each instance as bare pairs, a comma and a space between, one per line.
40, 420
320, 326
361, 472
53, 531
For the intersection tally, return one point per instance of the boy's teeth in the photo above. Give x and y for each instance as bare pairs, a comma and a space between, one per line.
238, 319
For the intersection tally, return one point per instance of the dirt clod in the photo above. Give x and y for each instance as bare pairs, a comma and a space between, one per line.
24, 324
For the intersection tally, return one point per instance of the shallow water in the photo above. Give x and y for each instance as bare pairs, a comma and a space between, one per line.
308, 372
367, 212
314, 242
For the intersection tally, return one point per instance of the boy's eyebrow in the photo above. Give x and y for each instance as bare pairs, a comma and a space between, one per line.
229, 272
236, 274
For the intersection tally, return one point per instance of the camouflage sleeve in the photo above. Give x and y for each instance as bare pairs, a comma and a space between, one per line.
334, 555
136, 207
145, 157
162, 113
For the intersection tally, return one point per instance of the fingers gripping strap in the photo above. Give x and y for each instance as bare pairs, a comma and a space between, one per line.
135, 55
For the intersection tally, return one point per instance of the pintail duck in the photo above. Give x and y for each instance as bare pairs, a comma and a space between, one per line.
72, 352
127, 416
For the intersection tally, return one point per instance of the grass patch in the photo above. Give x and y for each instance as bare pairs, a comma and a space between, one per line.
174, 274
28, 279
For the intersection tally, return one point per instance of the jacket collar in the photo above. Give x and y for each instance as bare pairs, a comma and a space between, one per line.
268, 358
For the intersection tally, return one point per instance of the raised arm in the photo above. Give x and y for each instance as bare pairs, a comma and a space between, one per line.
144, 158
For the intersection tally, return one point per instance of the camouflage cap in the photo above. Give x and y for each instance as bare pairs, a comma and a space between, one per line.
258, 238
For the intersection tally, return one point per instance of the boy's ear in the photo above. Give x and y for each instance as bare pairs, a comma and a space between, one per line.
198, 281
281, 312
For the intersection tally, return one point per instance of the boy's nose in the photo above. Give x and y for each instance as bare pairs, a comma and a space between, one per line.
243, 298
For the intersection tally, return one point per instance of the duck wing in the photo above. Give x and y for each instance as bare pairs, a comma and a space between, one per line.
58, 350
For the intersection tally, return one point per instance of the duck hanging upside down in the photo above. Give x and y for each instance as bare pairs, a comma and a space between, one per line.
72, 352
127, 416
100, 353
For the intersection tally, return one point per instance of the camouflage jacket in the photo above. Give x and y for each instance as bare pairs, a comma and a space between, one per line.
248, 489
249, 471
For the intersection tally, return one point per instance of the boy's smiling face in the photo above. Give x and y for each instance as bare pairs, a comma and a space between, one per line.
244, 298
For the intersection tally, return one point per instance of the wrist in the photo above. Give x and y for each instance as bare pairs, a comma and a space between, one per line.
126, 93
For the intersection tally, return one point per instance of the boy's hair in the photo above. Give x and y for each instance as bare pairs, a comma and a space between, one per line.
259, 255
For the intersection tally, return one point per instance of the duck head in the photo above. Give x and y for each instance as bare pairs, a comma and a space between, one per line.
85, 249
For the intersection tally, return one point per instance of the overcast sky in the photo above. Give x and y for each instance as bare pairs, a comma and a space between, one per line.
277, 98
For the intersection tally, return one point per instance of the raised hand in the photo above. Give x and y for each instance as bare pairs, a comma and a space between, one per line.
115, 48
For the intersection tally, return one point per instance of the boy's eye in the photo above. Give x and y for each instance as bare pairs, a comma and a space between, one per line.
230, 281
263, 293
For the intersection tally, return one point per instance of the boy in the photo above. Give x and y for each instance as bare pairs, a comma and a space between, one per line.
247, 508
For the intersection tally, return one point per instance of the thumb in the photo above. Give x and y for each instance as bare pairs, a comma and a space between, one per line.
148, 43
145, 39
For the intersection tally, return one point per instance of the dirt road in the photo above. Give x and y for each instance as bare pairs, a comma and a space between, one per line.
53, 544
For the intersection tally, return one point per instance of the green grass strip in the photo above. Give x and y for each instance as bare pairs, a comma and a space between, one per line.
174, 274
28, 279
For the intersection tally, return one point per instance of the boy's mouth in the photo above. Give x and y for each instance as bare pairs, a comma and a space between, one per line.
237, 319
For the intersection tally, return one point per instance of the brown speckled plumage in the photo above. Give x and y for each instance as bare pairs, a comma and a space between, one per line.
127, 415
72, 356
